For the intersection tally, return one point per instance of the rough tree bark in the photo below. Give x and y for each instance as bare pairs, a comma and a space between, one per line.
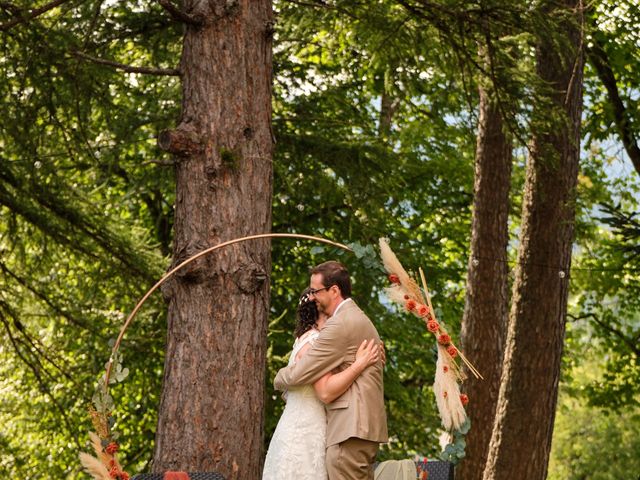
487, 301
523, 428
211, 413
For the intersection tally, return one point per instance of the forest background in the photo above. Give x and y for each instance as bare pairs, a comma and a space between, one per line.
375, 120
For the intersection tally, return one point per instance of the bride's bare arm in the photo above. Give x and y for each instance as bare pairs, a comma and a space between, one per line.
332, 385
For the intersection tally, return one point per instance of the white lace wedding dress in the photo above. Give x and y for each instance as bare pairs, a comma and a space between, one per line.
297, 449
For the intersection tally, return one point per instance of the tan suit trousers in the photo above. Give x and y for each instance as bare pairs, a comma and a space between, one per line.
352, 459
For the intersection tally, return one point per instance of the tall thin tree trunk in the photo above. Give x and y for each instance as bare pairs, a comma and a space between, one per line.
211, 414
487, 302
388, 107
521, 437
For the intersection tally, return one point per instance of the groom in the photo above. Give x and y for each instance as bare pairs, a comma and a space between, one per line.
356, 421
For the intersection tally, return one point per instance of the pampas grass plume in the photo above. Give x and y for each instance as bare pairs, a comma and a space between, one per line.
395, 294
99, 465
449, 406
97, 447
393, 265
94, 467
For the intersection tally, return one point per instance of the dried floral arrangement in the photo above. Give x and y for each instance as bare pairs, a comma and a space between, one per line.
406, 291
105, 465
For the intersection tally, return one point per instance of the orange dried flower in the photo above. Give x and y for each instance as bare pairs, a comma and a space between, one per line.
464, 398
111, 448
451, 350
433, 326
444, 339
393, 278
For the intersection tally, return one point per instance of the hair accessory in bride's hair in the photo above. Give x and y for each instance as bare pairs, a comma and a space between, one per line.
304, 299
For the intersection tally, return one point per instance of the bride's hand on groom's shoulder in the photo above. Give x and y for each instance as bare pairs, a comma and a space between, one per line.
369, 353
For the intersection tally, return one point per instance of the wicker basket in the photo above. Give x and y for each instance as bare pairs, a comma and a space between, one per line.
437, 470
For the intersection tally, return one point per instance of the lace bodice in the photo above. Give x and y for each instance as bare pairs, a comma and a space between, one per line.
307, 337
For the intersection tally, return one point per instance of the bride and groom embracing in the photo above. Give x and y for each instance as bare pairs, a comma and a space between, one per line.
334, 419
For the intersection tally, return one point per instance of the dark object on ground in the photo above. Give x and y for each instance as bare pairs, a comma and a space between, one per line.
192, 476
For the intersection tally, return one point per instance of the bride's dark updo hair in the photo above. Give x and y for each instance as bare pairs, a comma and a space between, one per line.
307, 314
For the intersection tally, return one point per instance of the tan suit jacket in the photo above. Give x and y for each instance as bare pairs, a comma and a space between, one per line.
359, 412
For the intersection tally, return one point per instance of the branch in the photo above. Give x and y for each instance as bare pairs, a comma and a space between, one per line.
183, 141
631, 343
43, 386
578, 63
177, 14
47, 299
128, 68
600, 61
10, 7
324, 212
512, 126
162, 163
38, 348
340, 8
60, 219
23, 18
316, 4
444, 27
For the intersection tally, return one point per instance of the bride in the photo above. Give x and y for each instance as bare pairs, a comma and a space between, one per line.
297, 448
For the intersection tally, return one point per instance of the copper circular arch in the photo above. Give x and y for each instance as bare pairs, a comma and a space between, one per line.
167, 275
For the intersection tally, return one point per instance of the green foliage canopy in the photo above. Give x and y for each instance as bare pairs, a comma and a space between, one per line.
86, 204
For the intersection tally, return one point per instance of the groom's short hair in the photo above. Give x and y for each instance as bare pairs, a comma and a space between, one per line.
334, 273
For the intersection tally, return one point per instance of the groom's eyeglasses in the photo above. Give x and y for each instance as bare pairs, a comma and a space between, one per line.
314, 291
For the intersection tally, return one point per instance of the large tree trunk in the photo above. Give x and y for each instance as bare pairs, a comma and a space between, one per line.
487, 302
211, 414
521, 437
